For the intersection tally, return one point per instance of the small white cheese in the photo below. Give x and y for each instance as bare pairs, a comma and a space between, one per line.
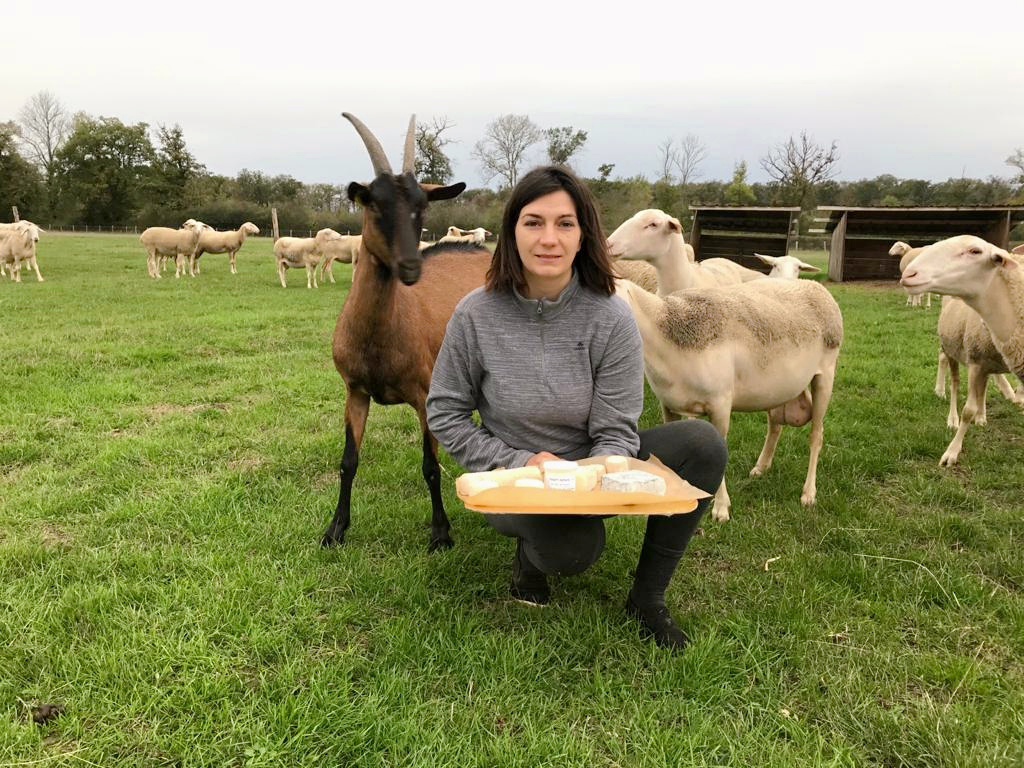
633, 481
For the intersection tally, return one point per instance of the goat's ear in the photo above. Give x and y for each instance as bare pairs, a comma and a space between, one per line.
674, 225
359, 193
437, 192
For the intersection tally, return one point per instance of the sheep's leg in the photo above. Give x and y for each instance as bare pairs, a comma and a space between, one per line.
928, 300
940, 375
722, 504
1004, 386
35, 265
667, 415
771, 442
976, 384
233, 259
821, 392
328, 269
440, 528
953, 419
357, 408
16, 269
179, 265
281, 267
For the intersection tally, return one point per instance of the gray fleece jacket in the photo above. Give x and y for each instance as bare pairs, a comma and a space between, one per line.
565, 376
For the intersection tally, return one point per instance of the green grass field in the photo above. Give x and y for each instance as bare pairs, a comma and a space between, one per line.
168, 462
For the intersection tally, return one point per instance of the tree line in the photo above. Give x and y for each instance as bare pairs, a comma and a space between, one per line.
61, 169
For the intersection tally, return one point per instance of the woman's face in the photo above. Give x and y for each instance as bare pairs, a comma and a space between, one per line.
548, 237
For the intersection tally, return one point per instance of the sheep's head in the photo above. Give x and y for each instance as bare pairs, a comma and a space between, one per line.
957, 266
786, 267
394, 206
250, 229
899, 248
326, 235
647, 235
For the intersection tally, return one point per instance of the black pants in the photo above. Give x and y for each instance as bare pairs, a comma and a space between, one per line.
569, 544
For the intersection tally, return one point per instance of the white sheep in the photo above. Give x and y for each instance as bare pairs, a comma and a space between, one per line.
212, 241
639, 272
786, 267
965, 339
345, 250
305, 252
163, 242
655, 237
479, 234
991, 282
907, 254
17, 246
1019, 250
746, 347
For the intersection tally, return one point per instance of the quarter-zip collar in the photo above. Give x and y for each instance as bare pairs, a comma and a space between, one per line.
545, 308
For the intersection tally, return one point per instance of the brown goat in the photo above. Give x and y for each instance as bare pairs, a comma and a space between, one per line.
391, 327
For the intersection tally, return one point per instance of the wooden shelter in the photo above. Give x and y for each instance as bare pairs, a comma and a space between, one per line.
862, 237
737, 232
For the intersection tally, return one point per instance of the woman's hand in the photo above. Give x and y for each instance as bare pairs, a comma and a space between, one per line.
539, 459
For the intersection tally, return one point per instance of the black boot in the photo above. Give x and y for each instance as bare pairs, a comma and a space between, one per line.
656, 622
529, 584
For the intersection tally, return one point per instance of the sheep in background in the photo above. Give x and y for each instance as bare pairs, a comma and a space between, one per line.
786, 267
17, 246
479, 234
639, 272
991, 282
906, 255
345, 250
657, 238
212, 241
746, 347
305, 252
164, 242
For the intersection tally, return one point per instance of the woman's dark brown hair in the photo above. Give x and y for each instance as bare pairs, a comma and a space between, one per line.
592, 265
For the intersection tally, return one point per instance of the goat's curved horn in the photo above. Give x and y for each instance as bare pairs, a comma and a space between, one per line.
376, 151
409, 160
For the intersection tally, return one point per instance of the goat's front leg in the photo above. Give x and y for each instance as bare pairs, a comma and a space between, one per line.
440, 528
357, 408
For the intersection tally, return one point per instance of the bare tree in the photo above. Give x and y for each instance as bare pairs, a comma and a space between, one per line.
502, 150
688, 157
45, 126
800, 165
1016, 160
432, 164
667, 156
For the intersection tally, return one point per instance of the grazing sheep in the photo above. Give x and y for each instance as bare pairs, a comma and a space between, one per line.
906, 255
394, 319
163, 242
786, 267
746, 347
212, 241
305, 252
991, 282
657, 238
17, 246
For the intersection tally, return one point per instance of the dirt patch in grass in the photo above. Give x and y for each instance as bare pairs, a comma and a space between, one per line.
55, 537
246, 464
166, 409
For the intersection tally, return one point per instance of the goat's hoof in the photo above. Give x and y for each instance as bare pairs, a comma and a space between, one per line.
439, 543
330, 540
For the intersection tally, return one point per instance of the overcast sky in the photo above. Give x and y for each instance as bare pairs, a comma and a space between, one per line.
916, 90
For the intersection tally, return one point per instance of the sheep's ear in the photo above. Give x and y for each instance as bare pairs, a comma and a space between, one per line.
360, 193
437, 192
766, 259
1003, 259
674, 225
805, 267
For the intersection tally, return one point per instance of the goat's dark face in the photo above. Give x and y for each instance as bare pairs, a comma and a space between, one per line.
394, 207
